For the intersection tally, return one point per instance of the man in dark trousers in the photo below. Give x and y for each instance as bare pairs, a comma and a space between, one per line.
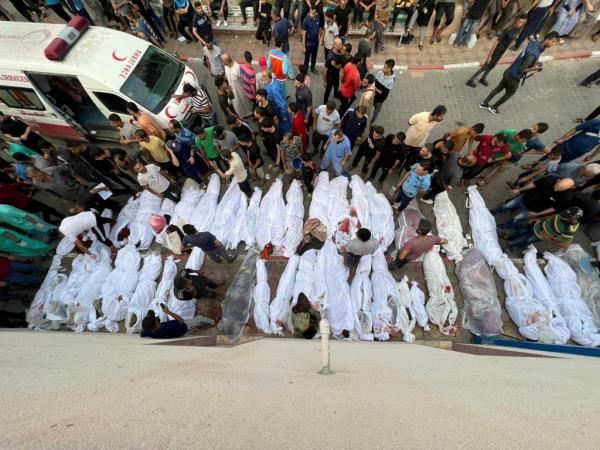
450, 175
311, 36
497, 50
523, 67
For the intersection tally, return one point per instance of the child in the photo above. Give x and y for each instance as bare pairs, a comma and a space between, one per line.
309, 172
298, 125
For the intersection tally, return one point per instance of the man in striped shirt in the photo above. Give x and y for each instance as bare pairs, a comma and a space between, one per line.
201, 104
248, 77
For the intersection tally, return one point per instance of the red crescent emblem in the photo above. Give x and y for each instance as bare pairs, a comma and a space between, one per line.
191, 73
116, 57
168, 114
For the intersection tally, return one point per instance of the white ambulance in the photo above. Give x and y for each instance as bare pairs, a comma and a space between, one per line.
66, 80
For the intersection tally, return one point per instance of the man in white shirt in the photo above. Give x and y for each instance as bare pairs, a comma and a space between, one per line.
73, 226
330, 32
151, 179
421, 125
237, 169
326, 118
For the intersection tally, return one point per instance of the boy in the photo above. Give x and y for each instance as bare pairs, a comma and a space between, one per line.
309, 172
255, 161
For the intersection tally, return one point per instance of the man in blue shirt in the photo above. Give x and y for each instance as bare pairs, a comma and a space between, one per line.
311, 36
337, 153
55, 5
417, 179
582, 139
525, 65
182, 134
152, 327
205, 241
281, 27
579, 173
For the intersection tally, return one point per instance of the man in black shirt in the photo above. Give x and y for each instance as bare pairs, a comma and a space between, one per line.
271, 137
354, 123
202, 28
263, 32
18, 131
255, 161
439, 152
189, 284
534, 197
342, 18
333, 65
497, 50
390, 157
238, 127
369, 148
152, 327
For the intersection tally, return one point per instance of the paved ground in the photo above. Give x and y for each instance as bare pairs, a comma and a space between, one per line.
109, 391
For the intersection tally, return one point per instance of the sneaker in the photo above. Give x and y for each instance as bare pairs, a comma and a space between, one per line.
484, 82
471, 83
492, 110
428, 201
225, 24
484, 105
218, 23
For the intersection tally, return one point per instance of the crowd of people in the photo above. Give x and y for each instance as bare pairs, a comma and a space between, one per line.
263, 130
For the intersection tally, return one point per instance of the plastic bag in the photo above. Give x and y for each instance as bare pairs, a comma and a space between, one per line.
587, 278
408, 222
361, 293
483, 227
418, 305
543, 293
270, 226
449, 226
482, 312
280, 310
262, 297
441, 307
579, 319
294, 219
236, 305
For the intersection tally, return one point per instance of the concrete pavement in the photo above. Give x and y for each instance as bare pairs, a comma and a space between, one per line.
65, 390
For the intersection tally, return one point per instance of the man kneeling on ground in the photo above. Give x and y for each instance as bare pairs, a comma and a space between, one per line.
417, 246
152, 327
362, 244
207, 242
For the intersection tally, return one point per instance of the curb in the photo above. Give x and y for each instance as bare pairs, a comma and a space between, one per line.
566, 56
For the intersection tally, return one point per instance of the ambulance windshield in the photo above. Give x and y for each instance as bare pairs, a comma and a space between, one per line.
153, 80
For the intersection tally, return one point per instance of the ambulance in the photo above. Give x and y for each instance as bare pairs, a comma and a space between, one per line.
66, 80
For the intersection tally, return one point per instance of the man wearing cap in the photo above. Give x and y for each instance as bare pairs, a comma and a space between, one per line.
337, 153
153, 328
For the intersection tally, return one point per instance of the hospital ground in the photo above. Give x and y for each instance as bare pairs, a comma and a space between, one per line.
99, 391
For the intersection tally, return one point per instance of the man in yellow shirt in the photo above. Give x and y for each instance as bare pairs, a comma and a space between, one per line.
156, 152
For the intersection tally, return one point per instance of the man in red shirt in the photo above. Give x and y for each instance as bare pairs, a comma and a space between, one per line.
350, 83
10, 195
298, 125
490, 153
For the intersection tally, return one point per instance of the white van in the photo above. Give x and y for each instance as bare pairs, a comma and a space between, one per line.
89, 73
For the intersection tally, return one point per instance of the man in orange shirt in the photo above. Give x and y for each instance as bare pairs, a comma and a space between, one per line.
462, 135
146, 122
350, 83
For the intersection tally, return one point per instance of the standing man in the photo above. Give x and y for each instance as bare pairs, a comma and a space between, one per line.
281, 29
417, 179
421, 124
149, 125
330, 32
374, 144
312, 34
354, 123
342, 18
467, 28
240, 102
333, 65
304, 97
350, 83
248, 77
537, 13
390, 158
202, 28
523, 67
384, 82
450, 175
443, 8
497, 50
326, 118
226, 96
153, 181
367, 99
212, 57
263, 32
337, 153
280, 66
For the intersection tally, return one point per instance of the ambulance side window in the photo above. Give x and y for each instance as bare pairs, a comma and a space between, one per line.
24, 98
112, 102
